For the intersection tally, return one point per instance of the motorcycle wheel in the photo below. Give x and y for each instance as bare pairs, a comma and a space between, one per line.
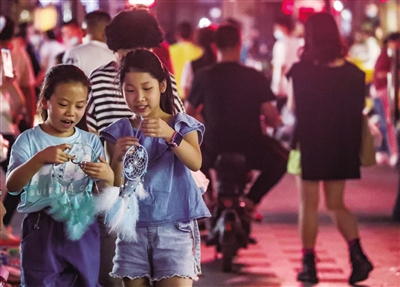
228, 252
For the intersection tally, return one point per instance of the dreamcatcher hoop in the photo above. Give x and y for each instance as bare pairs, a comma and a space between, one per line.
135, 162
71, 171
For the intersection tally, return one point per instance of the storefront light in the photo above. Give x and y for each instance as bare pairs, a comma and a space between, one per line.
147, 3
204, 22
338, 5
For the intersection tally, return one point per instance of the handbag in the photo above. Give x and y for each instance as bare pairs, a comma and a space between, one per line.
367, 149
294, 162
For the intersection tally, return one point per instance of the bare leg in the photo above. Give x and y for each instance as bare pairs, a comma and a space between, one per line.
308, 211
176, 282
140, 282
341, 216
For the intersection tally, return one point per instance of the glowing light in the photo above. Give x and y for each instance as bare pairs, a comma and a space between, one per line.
147, 3
24, 15
338, 5
346, 15
45, 18
204, 22
215, 12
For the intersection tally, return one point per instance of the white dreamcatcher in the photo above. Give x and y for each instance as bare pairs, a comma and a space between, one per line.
71, 190
120, 205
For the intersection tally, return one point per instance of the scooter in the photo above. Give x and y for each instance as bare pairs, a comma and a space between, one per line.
229, 228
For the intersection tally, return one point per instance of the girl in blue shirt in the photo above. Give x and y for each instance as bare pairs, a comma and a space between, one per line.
60, 238
167, 248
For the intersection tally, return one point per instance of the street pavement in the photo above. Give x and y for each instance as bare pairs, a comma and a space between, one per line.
276, 258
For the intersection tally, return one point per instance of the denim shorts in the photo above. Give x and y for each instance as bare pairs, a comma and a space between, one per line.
161, 252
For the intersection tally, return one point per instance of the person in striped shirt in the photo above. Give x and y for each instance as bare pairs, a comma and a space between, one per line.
127, 31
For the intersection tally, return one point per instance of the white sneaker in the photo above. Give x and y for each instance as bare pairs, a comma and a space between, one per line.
381, 158
393, 160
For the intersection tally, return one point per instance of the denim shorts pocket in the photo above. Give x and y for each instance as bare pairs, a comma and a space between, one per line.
185, 226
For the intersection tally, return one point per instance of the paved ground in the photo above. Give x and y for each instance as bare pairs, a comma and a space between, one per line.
276, 259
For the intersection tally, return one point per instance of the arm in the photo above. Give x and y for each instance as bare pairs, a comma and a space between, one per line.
271, 115
290, 100
188, 151
16, 99
30, 99
21, 175
190, 109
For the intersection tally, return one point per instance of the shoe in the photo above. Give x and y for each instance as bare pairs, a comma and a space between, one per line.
393, 160
381, 158
361, 266
308, 273
7, 238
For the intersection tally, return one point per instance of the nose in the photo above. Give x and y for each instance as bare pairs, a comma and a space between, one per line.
139, 96
70, 110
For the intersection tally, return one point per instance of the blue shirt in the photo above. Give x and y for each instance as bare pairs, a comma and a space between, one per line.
173, 193
37, 193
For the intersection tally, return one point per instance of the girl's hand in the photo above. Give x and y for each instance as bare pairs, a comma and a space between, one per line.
156, 128
55, 154
122, 145
100, 170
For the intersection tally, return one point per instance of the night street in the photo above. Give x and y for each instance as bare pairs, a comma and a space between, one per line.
276, 259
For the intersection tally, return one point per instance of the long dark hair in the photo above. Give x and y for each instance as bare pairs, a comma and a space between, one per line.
59, 74
323, 42
141, 60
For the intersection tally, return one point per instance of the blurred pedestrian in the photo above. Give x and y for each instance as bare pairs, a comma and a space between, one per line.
387, 152
204, 38
71, 34
18, 106
12, 106
48, 52
95, 53
285, 53
183, 50
233, 98
328, 97
128, 30
23, 69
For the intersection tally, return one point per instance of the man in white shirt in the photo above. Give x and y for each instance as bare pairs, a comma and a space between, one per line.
89, 56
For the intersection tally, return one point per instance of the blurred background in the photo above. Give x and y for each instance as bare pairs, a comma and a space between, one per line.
380, 17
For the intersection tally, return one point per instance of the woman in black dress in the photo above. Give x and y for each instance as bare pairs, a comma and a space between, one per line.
327, 95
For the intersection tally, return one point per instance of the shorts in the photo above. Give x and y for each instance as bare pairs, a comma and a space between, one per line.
161, 252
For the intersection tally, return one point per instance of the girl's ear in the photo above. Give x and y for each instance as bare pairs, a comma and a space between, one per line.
44, 104
163, 86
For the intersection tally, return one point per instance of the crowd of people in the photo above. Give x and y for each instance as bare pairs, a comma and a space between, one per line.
118, 84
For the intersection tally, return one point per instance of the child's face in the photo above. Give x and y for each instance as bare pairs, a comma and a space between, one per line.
142, 93
65, 109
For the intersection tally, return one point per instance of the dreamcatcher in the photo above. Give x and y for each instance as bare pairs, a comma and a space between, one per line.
71, 190
122, 208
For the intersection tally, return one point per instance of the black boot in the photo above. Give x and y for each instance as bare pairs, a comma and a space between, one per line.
308, 273
360, 264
